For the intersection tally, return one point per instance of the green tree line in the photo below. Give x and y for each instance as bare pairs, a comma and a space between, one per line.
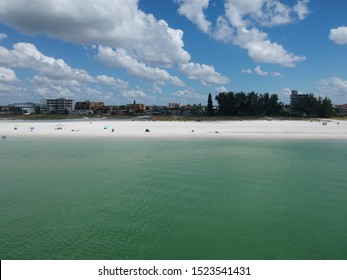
250, 104
309, 105
254, 104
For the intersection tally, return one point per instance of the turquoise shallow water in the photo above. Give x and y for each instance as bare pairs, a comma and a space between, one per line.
173, 199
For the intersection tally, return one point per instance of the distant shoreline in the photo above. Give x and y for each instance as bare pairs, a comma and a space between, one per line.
193, 129
57, 117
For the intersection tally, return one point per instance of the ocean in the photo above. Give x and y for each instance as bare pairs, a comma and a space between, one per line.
173, 199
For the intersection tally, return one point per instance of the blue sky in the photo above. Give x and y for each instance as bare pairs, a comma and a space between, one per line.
156, 52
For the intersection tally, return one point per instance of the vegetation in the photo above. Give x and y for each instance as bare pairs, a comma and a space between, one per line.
210, 111
250, 104
254, 104
309, 105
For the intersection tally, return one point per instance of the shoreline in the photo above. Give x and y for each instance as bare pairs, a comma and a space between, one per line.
136, 129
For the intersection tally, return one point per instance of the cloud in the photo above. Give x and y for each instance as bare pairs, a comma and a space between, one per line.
188, 94
134, 93
53, 78
284, 95
339, 35
277, 74
223, 31
334, 88
243, 13
246, 71
236, 10
156, 89
117, 24
260, 72
25, 55
205, 73
121, 58
221, 89
2, 36
10, 85
194, 11
274, 14
12, 92
301, 9
55, 91
262, 50
7, 75
112, 81
240, 23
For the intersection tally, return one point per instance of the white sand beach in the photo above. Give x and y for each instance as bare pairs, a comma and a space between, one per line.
105, 128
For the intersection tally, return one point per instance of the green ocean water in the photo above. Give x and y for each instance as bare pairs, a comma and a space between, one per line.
173, 199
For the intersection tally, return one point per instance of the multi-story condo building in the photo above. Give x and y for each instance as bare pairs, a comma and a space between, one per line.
89, 105
295, 99
58, 106
136, 107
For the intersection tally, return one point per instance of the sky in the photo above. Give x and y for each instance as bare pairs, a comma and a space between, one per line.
164, 51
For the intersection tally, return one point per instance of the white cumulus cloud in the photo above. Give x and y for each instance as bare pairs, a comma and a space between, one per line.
240, 25
205, 73
53, 77
26, 55
246, 71
260, 72
194, 11
107, 80
188, 95
277, 74
261, 49
7, 75
134, 93
2, 36
334, 88
339, 35
116, 23
301, 9
121, 58
242, 13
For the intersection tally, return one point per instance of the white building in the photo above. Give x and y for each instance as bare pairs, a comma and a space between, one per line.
57, 106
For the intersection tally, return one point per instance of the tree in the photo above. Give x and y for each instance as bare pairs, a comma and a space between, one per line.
325, 109
311, 106
250, 104
210, 111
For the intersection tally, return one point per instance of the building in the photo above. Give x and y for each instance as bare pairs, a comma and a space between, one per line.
57, 106
341, 110
135, 108
90, 105
295, 100
24, 108
173, 105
